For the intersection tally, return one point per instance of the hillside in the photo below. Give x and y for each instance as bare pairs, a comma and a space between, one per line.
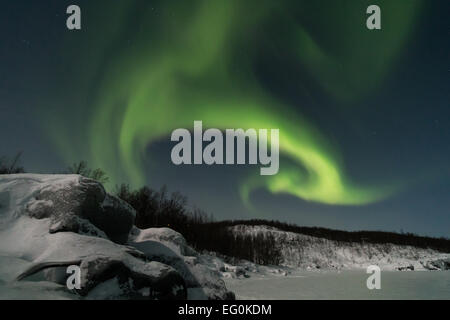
309, 252
378, 237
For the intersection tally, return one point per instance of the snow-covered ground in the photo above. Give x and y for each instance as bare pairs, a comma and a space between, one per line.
342, 285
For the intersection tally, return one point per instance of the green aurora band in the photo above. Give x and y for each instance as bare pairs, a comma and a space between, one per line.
194, 61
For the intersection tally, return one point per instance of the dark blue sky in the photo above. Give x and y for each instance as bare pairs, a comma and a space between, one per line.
397, 132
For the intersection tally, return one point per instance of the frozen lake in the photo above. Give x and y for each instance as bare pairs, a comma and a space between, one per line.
349, 285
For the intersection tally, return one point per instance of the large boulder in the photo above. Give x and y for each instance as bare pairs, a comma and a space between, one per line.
170, 238
169, 247
152, 280
78, 203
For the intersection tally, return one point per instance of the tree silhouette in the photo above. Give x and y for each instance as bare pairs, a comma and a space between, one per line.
82, 168
12, 167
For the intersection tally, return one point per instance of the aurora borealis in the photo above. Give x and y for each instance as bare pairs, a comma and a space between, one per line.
137, 70
166, 82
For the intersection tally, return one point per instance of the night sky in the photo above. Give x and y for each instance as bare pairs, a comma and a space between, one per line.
364, 116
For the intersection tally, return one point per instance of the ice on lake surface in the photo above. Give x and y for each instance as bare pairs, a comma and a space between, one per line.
348, 285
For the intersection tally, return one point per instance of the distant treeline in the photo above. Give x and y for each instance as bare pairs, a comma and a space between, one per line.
382, 237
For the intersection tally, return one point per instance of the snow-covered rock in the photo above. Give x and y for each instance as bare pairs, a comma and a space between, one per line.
170, 247
48, 222
72, 203
169, 237
438, 264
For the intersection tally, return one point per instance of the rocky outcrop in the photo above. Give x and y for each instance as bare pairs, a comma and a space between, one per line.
48, 222
438, 264
170, 247
406, 268
82, 206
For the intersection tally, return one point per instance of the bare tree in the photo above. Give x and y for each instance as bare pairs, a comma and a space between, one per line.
12, 167
83, 169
